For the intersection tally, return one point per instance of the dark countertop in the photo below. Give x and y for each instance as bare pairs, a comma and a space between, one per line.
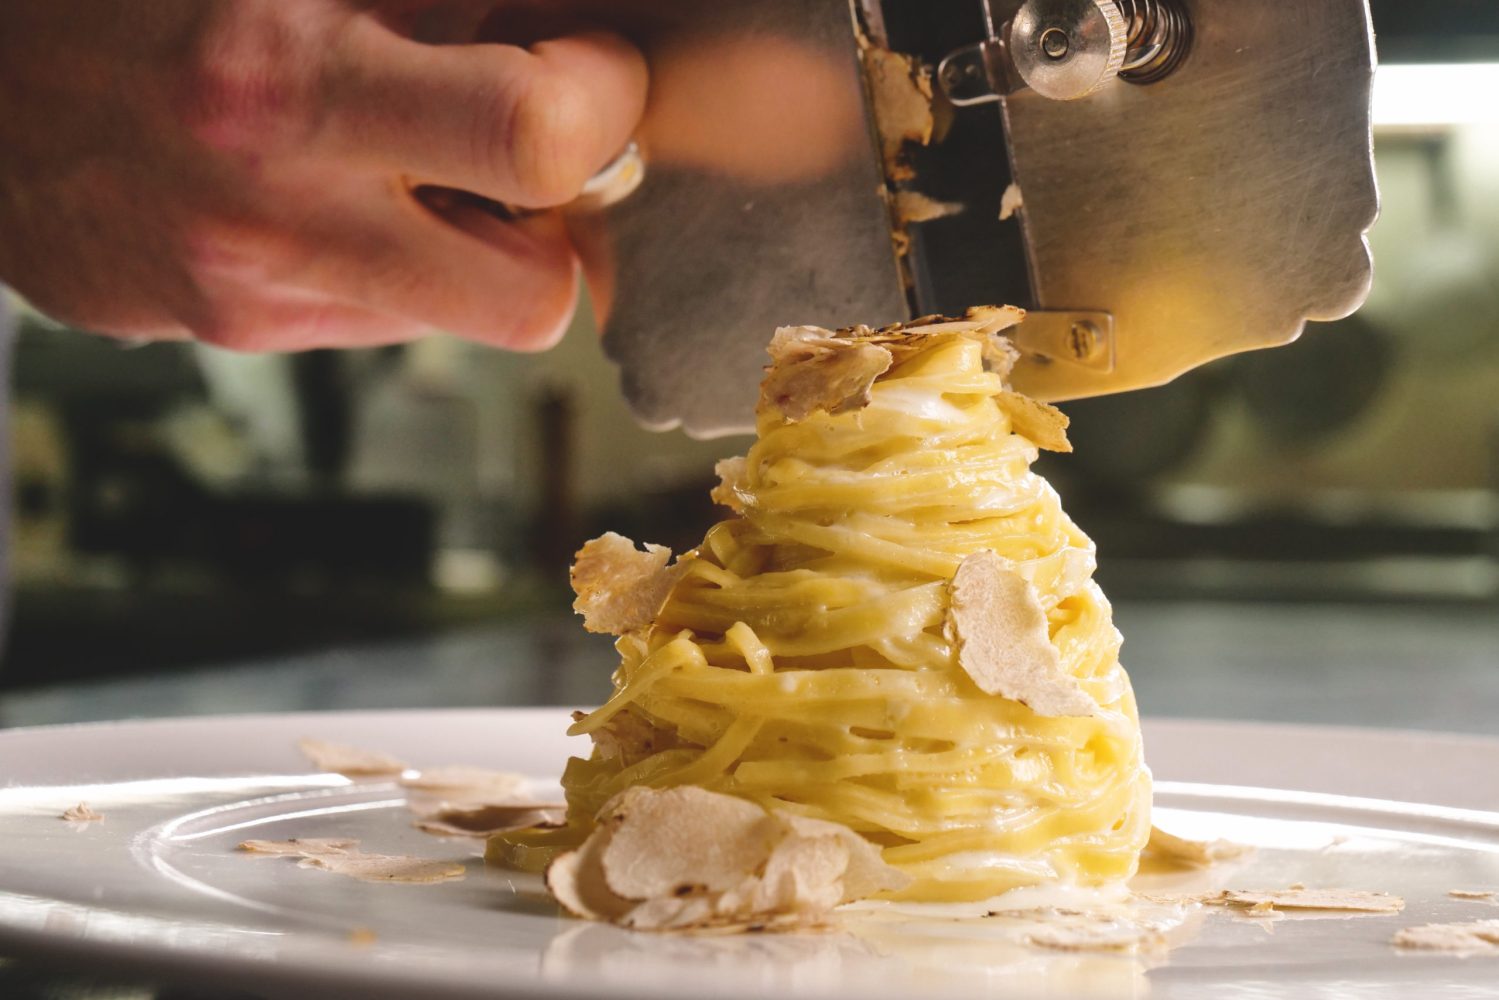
1416, 666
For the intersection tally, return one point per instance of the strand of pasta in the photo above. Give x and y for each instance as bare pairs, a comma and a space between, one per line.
801, 661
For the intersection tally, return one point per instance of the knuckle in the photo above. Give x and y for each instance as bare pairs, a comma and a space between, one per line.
551, 138
247, 81
245, 252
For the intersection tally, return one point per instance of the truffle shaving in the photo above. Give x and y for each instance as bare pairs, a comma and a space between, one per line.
449, 820
386, 868
626, 737
621, 589
1042, 423
1473, 893
866, 872
984, 324
352, 762
81, 813
690, 859
1476, 937
576, 880
900, 90
1003, 642
1010, 202
343, 857
730, 490
684, 839
299, 847
1198, 853
814, 370
1088, 935
459, 783
913, 206
1352, 900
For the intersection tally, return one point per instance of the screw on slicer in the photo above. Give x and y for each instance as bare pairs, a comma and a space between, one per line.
1055, 43
1082, 339
1067, 49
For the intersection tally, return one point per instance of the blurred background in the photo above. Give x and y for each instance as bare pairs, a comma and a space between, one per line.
240, 532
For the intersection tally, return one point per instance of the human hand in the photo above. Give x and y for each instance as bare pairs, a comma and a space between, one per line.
247, 171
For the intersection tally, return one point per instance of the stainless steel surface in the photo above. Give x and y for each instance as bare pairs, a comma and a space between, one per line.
1067, 49
764, 205
1214, 211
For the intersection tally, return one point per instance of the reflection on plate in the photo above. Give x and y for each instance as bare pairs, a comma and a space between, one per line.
157, 884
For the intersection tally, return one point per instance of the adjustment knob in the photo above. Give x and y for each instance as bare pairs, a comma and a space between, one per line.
1067, 49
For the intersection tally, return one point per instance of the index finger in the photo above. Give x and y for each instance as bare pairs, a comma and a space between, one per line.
525, 126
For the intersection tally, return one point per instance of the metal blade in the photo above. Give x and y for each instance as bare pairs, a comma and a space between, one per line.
763, 205
1210, 213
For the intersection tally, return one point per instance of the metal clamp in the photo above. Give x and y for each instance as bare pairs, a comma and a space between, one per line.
1066, 49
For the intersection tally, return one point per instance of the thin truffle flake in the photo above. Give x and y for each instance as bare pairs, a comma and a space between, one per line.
447, 819
386, 868
677, 839
343, 857
1473, 893
1199, 853
996, 621
685, 859
913, 206
982, 324
1117, 936
299, 847
81, 813
1351, 900
1010, 202
626, 737
620, 588
866, 872
1043, 424
814, 370
350, 761
730, 489
901, 94
461, 783
576, 880
1475, 937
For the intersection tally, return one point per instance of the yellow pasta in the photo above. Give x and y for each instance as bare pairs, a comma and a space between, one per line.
802, 659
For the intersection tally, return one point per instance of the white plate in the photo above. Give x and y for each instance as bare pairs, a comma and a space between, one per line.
157, 886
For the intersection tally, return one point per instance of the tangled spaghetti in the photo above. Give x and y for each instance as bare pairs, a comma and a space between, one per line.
801, 657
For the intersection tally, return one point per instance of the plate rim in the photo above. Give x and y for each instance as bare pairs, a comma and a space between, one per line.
1170, 730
